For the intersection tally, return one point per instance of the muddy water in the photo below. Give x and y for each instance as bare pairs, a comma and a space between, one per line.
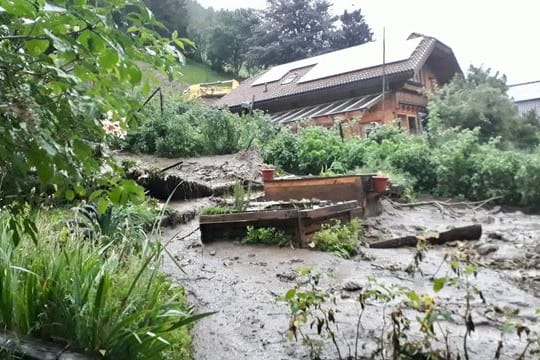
242, 283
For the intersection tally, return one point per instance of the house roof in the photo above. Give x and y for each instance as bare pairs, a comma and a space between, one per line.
353, 65
525, 91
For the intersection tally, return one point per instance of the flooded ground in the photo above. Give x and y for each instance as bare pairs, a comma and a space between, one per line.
244, 283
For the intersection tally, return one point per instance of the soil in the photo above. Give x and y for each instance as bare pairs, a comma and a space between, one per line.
244, 283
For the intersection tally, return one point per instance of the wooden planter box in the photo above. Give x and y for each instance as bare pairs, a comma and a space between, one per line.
334, 188
300, 223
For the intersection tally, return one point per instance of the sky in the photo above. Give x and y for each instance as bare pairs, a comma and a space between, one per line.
499, 34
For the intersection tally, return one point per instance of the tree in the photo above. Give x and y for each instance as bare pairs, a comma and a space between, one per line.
479, 101
227, 41
353, 31
67, 74
171, 13
291, 30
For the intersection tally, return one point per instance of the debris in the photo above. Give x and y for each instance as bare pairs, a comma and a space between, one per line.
471, 232
289, 276
351, 286
212, 253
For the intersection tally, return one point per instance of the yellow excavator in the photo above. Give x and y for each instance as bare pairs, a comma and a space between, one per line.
214, 89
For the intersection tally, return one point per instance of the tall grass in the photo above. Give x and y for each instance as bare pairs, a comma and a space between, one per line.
94, 297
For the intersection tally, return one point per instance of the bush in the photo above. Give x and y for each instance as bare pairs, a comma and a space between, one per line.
188, 128
527, 180
282, 151
339, 239
267, 236
318, 148
63, 287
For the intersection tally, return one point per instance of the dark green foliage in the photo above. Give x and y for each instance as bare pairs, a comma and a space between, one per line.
61, 74
341, 239
266, 236
354, 30
480, 101
192, 129
296, 29
227, 41
171, 13
282, 151
453, 163
318, 148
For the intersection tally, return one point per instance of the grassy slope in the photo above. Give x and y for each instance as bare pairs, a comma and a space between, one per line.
194, 73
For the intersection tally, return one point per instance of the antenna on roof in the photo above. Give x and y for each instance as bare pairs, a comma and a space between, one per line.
383, 66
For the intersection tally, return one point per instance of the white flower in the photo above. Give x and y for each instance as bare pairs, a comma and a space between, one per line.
113, 128
110, 114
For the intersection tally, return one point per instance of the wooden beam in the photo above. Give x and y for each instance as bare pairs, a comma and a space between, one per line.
30, 348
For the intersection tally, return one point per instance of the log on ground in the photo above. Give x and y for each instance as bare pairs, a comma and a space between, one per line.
471, 232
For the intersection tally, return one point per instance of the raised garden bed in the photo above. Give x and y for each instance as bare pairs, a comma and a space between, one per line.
301, 223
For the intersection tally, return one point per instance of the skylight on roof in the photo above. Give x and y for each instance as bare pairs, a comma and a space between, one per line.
289, 79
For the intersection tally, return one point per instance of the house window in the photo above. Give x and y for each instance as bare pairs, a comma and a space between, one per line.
413, 126
368, 128
289, 79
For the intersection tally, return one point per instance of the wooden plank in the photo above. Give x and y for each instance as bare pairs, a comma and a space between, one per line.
30, 348
310, 181
325, 188
249, 216
327, 210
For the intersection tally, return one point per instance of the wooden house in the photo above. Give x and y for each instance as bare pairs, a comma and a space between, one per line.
346, 86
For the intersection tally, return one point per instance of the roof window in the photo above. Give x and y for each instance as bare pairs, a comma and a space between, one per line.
289, 79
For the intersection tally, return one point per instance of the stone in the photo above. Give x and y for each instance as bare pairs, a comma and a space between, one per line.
212, 253
497, 235
486, 249
351, 285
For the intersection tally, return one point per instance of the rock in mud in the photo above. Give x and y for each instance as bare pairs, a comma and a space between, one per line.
351, 286
486, 249
497, 235
288, 276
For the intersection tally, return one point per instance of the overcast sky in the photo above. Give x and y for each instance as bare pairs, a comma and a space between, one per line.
503, 35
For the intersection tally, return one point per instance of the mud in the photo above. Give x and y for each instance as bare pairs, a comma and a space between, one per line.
243, 283
192, 178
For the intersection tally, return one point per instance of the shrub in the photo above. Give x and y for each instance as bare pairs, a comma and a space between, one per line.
267, 236
318, 148
282, 151
188, 128
527, 179
339, 239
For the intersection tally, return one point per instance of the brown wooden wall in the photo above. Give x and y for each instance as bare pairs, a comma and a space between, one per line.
404, 104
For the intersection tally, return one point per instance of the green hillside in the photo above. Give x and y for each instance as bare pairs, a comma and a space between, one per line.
194, 73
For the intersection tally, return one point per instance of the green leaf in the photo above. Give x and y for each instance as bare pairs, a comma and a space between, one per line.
37, 47
70, 195
20, 8
102, 205
108, 59
135, 74
290, 294
413, 296
438, 284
